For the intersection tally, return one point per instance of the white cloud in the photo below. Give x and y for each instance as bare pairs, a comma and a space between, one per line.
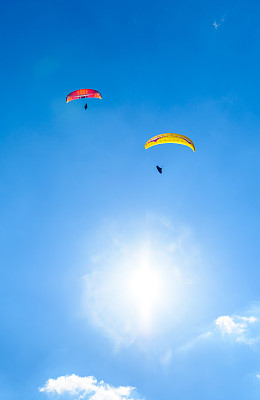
72, 384
237, 328
87, 388
166, 358
232, 328
227, 325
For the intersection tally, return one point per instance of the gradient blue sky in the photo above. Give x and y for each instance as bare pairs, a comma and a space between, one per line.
83, 208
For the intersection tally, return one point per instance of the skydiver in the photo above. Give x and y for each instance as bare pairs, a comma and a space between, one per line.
159, 169
86, 106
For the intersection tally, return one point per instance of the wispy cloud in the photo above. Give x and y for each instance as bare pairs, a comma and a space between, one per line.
88, 388
243, 328
217, 25
196, 341
233, 328
236, 326
166, 358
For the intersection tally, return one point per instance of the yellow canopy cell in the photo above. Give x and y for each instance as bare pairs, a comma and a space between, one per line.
170, 138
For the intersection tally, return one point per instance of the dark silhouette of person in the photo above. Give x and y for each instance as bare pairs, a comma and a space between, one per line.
159, 169
86, 106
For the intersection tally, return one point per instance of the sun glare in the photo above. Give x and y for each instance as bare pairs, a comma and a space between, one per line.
144, 289
140, 288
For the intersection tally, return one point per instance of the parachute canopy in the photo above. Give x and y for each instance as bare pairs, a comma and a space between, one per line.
170, 138
82, 94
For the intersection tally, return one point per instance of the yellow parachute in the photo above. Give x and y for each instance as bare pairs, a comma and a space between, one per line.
170, 138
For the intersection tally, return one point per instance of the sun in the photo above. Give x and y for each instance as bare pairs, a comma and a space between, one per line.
145, 288
140, 288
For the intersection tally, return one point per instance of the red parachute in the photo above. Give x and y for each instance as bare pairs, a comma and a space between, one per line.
82, 94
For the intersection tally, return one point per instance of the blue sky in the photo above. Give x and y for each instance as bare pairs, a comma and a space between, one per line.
114, 277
